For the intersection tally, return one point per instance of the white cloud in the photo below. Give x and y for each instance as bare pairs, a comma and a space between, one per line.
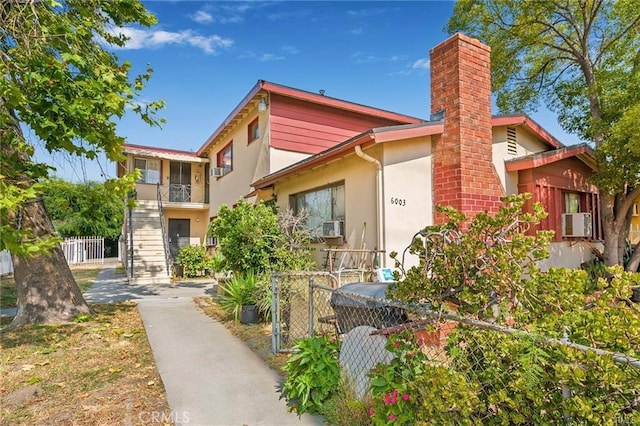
202, 17
290, 50
356, 31
155, 39
266, 57
421, 64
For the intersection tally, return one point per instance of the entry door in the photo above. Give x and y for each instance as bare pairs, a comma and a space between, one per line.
180, 182
178, 229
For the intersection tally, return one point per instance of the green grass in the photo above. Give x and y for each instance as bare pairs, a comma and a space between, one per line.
84, 277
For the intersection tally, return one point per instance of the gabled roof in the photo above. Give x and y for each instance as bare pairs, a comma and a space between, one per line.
365, 139
263, 86
164, 153
582, 151
529, 123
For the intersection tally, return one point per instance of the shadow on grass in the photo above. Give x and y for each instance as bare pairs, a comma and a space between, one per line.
37, 334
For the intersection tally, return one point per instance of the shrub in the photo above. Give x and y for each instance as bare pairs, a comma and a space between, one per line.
238, 291
194, 260
393, 391
313, 374
252, 238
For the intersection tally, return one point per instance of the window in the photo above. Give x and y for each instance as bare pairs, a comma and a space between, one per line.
225, 158
150, 170
572, 202
321, 205
253, 131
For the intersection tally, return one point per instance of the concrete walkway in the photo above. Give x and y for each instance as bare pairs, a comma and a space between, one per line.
210, 376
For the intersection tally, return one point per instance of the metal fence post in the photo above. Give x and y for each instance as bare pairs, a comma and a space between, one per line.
311, 283
275, 316
567, 393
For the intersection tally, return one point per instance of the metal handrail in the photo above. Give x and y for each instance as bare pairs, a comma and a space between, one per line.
165, 238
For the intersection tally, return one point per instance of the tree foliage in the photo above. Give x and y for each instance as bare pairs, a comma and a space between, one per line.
581, 59
490, 271
258, 239
83, 209
61, 83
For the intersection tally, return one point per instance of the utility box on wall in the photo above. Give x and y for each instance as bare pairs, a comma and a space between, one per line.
577, 225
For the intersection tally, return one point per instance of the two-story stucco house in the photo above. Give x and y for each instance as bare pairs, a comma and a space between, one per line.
373, 178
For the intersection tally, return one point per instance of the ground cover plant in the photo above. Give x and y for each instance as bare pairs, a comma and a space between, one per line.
95, 371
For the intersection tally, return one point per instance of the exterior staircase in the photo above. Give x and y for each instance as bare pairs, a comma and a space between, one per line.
149, 261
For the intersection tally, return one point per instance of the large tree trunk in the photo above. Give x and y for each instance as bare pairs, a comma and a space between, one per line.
46, 289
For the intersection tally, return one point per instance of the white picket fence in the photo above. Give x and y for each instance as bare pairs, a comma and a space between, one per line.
77, 251
83, 250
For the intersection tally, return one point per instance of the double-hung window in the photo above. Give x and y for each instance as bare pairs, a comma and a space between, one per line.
321, 205
150, 170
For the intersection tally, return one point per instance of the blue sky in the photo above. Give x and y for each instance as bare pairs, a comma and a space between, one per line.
206, 56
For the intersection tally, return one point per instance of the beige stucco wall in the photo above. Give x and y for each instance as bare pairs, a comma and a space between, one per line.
408, 194
406, 177
249, 160
526, 143
198, 221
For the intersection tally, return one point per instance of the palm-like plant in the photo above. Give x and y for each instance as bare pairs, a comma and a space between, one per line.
237, 292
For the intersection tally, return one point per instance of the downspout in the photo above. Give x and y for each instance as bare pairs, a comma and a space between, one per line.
379, 203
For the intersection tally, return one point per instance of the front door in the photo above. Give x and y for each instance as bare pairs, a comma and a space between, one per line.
180, 182
179, 230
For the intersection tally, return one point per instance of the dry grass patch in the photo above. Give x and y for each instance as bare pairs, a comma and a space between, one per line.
256, 336
98, 372
84, 276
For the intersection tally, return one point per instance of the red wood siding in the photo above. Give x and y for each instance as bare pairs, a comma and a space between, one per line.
301, 127
549, 183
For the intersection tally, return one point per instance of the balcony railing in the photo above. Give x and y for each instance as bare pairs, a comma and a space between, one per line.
177, 193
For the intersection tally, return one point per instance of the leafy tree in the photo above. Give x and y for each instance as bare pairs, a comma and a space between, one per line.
254, 239
582, 59
61, 84
79, 209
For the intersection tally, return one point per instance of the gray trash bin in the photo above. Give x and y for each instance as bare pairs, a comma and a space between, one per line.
353, 310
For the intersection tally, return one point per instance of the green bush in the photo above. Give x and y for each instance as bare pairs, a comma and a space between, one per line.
253, 239
313, 374
194, 260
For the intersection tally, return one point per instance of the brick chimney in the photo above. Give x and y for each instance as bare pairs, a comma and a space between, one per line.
463, 172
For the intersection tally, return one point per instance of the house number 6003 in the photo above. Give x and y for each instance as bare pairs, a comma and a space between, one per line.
398, 201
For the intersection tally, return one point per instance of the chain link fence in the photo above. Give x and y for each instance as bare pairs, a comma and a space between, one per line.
489, 359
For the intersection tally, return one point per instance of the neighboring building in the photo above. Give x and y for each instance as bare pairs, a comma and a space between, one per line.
373, 178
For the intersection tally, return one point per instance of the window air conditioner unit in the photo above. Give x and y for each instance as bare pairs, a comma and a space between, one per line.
218, 171
576, 225
332, 228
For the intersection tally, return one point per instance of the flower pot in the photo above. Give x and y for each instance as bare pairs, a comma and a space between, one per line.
249, 314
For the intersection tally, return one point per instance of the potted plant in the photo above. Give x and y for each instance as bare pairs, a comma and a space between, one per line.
238, 297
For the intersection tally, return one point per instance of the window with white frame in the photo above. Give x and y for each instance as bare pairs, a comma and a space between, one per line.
321, 205
150, 170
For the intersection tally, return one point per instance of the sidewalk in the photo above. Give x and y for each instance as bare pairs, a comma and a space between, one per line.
210, 376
